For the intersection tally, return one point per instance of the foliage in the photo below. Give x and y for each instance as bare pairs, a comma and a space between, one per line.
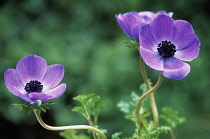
116, 135
172, 119
149, 131
29, 108
132, 43
90, 106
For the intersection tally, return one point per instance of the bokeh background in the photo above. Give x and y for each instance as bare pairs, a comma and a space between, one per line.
83, 36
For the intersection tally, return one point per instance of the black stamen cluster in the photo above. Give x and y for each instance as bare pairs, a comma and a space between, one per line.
34, 86
166, 49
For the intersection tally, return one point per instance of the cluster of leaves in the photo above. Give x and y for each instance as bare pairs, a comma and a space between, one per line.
90, 107
148, 131
132, 43
172, 119
30, 107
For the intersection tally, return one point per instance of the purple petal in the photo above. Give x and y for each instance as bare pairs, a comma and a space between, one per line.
161, 12
26, 97
123, 25
53, 76
146, 39
135, 30
164, 12
50, 94
170, 14
188, 53
39, 96
127, 21
152, 59
147, 16
161, 28
182, 34
175, 69
13, 82
131, 19
31, 68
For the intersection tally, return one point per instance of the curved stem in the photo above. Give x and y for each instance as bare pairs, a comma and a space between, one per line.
144, 95
59, 128
151, 96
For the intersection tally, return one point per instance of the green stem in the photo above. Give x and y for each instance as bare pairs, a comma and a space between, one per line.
173, 135
90, 122
151, 96
143, 97
59, 128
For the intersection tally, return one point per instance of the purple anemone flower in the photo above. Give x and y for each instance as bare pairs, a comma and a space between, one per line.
166, 43
33, 80
131, 22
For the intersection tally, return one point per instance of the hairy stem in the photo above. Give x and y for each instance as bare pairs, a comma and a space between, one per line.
59, 128
144, 95
151, 96
90, 123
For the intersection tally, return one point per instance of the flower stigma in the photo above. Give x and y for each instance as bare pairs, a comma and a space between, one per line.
166, 49
34, 86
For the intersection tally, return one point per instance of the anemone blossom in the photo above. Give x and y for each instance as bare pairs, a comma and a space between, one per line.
33, 80
165, 43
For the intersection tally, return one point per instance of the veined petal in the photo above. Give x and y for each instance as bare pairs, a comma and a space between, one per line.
131, 19
53, 76
26, 97
31, 68
123, 25
50, 94
135, 30
12, 81
146, 39
190, 52
161, 28
39, 96
175, 69
127, 21
152, 59
182, 34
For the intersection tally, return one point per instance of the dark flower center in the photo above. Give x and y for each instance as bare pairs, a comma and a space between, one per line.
166, 49
34, 86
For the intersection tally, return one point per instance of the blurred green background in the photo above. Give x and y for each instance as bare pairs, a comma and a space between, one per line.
83, 36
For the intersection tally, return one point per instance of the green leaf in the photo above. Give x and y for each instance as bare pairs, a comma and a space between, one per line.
151, 132
132, 43
90, 106
28, 108
171, 117
116, 135
128, 108
80, 110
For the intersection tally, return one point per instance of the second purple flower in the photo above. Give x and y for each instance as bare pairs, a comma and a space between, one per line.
165, 43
